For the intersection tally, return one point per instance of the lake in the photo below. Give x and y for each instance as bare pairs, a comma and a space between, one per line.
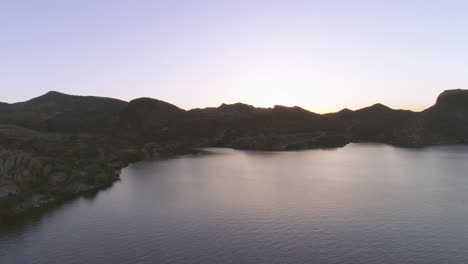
364, 203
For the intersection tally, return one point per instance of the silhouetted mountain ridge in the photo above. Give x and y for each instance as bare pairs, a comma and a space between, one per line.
452, 99
61, 112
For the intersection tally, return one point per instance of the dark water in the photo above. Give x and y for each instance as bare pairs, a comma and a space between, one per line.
359, 204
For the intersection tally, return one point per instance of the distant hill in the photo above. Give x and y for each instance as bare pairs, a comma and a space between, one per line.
147, 119
58, 111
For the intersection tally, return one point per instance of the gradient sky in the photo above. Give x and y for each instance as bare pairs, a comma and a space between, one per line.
321, 55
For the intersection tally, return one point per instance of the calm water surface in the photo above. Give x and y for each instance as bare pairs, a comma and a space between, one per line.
364, 203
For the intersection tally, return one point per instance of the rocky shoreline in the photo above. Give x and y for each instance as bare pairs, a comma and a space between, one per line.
34, 179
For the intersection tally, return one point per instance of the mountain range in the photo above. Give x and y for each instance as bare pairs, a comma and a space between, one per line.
56, 146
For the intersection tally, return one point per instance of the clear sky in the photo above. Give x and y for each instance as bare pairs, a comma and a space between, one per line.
321, 55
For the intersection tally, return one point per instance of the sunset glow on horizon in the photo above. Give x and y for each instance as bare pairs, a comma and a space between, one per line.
320, 55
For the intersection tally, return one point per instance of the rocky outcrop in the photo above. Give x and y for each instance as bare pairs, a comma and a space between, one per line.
30, 181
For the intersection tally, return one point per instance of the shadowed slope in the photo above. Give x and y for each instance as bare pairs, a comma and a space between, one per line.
61, 112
